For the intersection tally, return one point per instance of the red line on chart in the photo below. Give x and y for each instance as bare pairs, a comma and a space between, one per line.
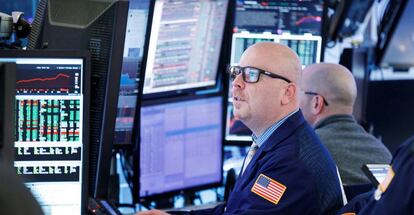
43, 79
308, 18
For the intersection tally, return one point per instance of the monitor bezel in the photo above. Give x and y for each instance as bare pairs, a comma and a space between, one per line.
190, 90
140, 83
136, 178
7, 94
86, 96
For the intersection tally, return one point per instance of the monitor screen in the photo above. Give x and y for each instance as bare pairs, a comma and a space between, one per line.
181, 145
277, 17
50, 136
131, 68
395, 40
184, 45
376, 173
379, 171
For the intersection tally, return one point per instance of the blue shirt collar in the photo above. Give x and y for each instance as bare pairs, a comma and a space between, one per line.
262, 138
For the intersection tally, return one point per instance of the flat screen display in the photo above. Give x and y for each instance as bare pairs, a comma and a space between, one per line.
49, 130
278, 17
181, 145
184, 45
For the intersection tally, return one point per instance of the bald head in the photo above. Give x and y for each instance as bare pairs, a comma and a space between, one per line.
275, 58
334, 82
260, 104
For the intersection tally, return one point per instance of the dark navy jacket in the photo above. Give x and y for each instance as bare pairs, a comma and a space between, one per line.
398, 198
294, 157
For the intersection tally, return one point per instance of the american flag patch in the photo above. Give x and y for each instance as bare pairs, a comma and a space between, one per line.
268, 189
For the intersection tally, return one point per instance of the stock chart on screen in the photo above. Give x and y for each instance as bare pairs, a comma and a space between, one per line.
181, 145
185, 45
277, 17
49, 124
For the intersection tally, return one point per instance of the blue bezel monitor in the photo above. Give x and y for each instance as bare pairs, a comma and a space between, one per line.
51, 133
181, 146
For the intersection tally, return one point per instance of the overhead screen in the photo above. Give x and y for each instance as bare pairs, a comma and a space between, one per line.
181, 145
395, 41
296, 24
50, 136
184, 45
131, 69
277, 17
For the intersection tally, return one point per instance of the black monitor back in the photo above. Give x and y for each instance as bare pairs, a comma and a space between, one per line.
97, 26
7, 96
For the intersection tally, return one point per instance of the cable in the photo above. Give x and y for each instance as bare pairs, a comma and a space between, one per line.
126, 171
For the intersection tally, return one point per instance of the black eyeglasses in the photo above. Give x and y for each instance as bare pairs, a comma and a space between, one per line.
251, 74
317, 94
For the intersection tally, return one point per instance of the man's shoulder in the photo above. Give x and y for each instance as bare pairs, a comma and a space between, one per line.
309, 146
345, 129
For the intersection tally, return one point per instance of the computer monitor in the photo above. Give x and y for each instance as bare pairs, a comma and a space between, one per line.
184, 46
97, 26
51, 126
278, 17
347, 18
7, 98
180, 145
395, 39
129, 91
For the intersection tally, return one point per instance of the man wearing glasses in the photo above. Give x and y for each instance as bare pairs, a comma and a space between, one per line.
287, 170
327, 99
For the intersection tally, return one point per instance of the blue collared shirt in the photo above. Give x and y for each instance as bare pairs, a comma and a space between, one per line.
262, 138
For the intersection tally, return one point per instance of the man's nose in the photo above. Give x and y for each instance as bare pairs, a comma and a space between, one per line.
238, 82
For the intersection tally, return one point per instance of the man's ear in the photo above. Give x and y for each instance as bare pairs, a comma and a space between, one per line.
289, 93
317, 105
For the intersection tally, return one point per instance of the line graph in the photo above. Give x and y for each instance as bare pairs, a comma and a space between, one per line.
50, 80
43, 79
307, 19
